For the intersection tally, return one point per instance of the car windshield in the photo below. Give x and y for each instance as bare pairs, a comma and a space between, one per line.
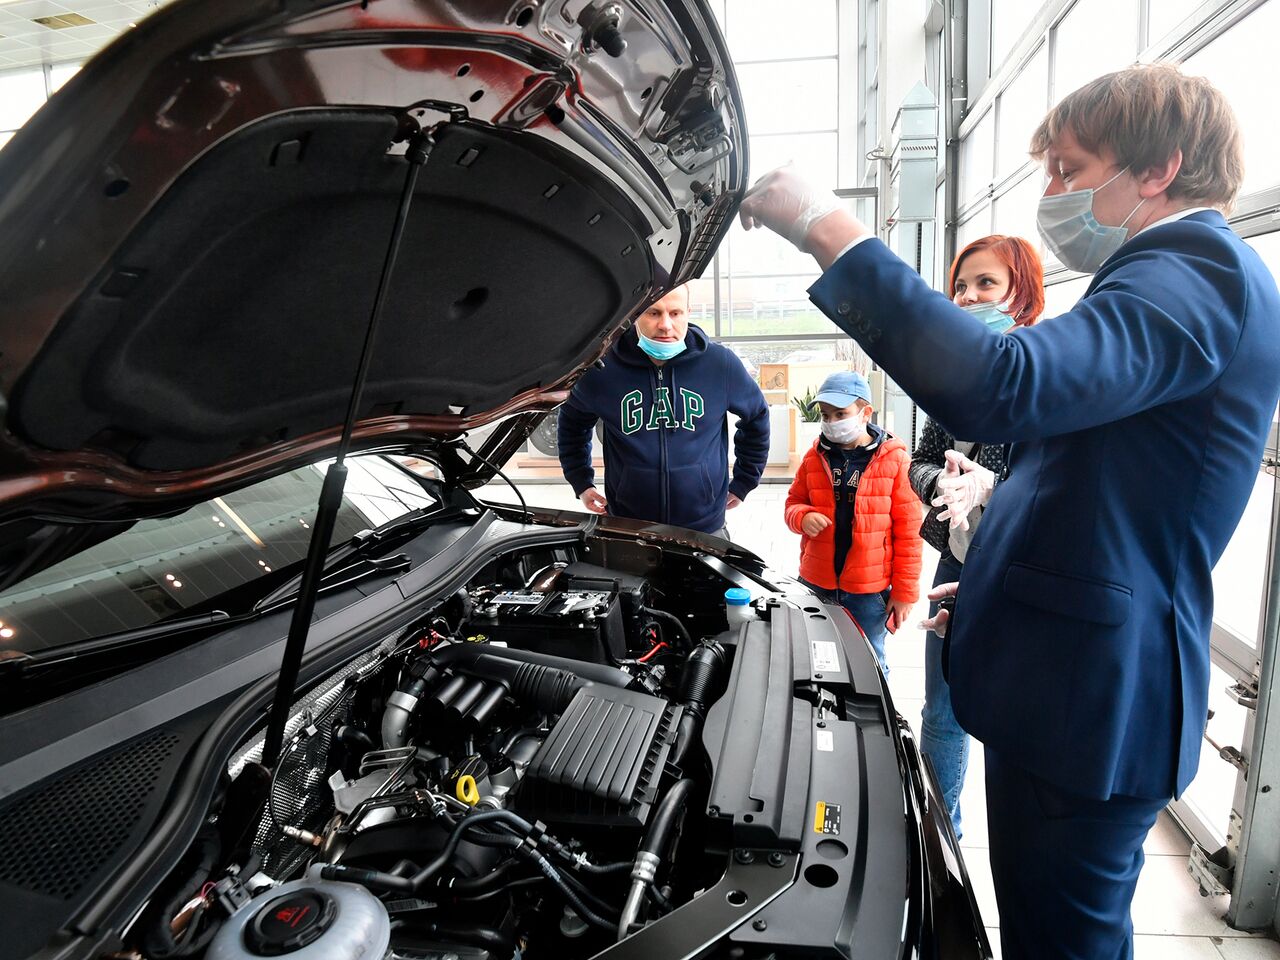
159, 569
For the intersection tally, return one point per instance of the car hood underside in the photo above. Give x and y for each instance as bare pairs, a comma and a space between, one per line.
193, 231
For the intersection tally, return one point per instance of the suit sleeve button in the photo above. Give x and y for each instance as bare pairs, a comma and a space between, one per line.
844, 308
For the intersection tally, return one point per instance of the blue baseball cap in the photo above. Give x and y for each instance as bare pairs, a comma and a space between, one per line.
841, 389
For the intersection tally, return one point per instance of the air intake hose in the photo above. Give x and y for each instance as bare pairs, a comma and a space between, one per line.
459, 656
700, 686
547, 688
402, 703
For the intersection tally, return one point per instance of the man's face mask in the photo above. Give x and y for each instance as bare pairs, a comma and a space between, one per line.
660, 349
1073, 233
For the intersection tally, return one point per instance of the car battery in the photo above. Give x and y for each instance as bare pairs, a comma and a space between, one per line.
632, 590
580, 624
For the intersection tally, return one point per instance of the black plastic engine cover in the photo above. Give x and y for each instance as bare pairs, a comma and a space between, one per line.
603, 760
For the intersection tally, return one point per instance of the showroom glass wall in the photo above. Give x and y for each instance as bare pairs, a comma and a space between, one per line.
1035, 55
24, 90
799, 108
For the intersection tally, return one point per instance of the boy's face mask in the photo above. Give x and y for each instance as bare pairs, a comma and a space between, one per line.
848, 430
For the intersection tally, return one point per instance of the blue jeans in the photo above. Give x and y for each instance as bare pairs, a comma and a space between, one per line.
868, 609
942, 739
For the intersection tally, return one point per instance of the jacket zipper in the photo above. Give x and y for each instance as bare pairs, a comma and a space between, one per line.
826, 465
664, 492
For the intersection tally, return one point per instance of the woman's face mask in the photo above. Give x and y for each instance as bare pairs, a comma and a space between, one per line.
994, 315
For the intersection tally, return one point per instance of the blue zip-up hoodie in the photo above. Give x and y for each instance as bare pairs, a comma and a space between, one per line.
666, 436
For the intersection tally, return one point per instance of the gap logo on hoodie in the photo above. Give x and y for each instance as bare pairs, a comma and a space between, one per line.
666, 432
662, 414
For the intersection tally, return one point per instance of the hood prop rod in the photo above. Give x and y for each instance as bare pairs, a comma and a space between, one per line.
335, 479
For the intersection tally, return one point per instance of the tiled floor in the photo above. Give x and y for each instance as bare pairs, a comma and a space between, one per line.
1171, 920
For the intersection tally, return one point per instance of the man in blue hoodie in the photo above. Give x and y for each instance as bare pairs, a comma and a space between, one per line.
663, 394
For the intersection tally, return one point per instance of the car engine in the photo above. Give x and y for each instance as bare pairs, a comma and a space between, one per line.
513, 775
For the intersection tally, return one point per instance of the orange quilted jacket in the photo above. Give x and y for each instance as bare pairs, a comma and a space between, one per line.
886, 524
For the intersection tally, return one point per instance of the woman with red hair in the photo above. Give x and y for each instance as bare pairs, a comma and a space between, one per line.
1001, 281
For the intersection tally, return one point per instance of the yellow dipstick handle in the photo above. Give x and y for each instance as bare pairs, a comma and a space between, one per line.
467, 790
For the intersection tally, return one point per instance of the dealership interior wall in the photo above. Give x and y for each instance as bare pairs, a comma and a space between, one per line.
824, 83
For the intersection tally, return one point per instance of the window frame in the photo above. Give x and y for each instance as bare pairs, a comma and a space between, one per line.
849, 131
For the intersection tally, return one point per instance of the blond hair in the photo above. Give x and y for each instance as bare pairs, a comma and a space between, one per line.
1143, 115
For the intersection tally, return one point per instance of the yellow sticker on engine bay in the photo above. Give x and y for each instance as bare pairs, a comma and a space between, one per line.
826, 818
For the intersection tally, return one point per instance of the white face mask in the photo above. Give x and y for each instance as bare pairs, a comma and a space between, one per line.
844, 431
1073, 233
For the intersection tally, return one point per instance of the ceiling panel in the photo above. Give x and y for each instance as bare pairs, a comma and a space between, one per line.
23, 42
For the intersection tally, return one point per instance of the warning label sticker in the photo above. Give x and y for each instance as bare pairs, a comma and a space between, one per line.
826, 659
524, 599
825, 740
826, 817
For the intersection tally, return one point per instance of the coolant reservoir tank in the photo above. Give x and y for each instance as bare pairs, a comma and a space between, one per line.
309, 919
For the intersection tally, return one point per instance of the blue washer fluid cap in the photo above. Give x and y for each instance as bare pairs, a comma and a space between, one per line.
737, 597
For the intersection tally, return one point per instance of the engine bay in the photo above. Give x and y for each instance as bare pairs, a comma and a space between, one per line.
520, 772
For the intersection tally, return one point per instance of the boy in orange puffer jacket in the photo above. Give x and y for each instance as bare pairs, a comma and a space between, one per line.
853, 505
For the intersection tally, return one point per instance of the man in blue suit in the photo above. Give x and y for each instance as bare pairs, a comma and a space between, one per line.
1079, 653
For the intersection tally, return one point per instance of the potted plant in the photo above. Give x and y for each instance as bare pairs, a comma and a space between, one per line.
810, 424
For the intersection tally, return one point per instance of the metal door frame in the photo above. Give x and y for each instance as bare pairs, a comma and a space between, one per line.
1247, 865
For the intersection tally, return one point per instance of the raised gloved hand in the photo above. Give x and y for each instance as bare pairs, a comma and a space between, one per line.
786, 203
962, 486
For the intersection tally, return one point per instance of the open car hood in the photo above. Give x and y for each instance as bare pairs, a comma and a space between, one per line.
193, 228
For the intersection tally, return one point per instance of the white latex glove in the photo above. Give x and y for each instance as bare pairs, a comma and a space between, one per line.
786, 203
963, 485
938, 622
593, 500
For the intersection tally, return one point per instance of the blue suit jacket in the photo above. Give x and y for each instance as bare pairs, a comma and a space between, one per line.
1081, 646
